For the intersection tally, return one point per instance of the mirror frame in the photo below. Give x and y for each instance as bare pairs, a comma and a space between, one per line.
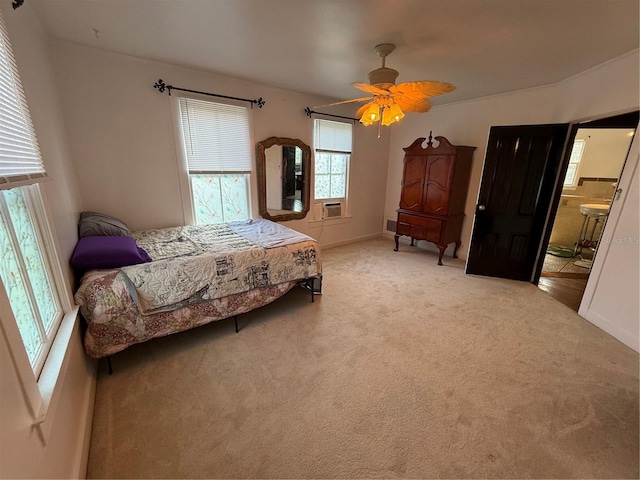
262, 177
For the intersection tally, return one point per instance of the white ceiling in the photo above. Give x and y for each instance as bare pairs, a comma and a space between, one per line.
484, 47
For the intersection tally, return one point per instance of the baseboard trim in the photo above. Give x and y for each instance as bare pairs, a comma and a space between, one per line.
87, 426
351, 240
616, 332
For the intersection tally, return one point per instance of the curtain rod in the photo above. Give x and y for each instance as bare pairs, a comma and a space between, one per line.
310, 112
161, 86
17, 3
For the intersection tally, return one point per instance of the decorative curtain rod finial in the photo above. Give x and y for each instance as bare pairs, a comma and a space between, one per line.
160, 85
17, 3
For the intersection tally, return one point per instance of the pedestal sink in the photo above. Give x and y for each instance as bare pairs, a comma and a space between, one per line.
597, 211
594, 209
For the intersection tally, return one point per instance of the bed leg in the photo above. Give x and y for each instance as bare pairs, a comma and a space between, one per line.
312, 293
235, 319
109, 366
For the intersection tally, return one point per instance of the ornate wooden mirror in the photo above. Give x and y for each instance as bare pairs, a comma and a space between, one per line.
283, 178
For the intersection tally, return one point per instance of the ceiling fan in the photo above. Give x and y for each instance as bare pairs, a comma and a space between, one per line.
389, 101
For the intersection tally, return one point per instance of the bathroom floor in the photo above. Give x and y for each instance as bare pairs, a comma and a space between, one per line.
563, 279
562, 265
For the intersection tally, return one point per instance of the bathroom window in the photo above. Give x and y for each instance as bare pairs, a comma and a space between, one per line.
571, 178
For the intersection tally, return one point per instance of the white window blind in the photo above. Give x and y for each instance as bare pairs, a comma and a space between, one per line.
571, 178
333, 136
20, 159
333, 143
216, 136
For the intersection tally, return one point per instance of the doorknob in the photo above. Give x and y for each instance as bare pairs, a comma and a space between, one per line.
481, 207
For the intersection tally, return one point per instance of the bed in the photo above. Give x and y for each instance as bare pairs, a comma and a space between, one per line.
186, 277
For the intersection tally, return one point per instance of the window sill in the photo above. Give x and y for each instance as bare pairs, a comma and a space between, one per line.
331, 221
53, 374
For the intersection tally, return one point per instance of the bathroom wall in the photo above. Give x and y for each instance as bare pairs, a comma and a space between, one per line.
602, 160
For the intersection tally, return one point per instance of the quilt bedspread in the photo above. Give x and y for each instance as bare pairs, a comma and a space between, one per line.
199, 263
114, 323
198, 274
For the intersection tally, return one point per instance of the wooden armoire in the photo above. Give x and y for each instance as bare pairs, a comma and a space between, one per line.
435, 181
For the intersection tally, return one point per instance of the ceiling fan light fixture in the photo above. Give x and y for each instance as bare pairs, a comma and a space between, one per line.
388, 102
371, 114
392, 114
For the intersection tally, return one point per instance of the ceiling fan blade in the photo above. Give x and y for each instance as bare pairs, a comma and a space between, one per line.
425, 88
353, 100
408, 104
367, 87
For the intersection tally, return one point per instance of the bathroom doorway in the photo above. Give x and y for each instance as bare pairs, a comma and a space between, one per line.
597, 158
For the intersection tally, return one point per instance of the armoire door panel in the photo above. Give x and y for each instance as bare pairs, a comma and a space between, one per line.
439, 169
411, 198
437, 184
412, 184
413, 170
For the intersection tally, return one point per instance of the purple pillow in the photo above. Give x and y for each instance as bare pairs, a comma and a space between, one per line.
107, 252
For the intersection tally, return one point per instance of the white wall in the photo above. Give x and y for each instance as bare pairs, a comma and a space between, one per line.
603, 91
124, 151
21, 452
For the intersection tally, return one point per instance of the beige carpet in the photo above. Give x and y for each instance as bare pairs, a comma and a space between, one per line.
402, 369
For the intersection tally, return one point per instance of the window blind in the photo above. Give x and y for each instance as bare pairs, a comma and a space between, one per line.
216, 136
333, 136
20, 159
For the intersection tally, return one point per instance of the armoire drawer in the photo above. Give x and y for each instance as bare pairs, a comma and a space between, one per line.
428, 223
403, 228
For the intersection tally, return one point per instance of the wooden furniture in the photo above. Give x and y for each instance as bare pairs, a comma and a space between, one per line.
435, 181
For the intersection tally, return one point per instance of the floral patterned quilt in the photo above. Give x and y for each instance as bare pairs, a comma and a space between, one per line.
197, 263
198, 274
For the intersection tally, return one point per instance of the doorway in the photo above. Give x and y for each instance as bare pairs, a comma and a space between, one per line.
516, 191
521, 191
595, 162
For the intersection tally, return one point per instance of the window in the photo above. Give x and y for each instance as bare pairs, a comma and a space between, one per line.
217, 149
26, 275
25, 260
333, 141
571, 178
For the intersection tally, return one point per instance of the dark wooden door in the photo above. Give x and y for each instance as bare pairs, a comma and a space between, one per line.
438, 184
289, 171
516, 190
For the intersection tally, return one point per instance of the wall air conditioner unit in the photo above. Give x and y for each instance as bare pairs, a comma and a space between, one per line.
332, 210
